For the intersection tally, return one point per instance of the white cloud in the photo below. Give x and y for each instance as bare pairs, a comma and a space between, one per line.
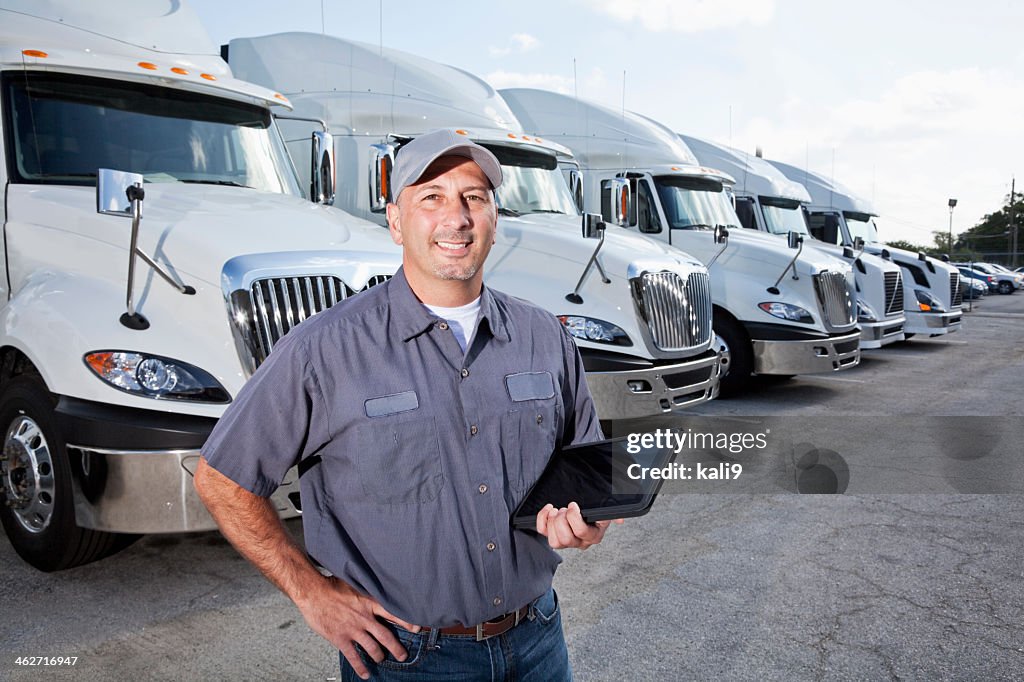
518, 42
688, 16
931, 135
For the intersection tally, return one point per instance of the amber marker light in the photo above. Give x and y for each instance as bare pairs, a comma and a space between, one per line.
148, 65
278, 95
180, 71
208, 76
35, 53
460, 131
101, 363
512, 136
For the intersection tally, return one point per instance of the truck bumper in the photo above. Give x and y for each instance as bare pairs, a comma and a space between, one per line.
149, 491
655, 390
878, 334
933, 324
131, 469
807, 356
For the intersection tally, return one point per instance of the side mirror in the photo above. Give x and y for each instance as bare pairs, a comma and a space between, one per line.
945, 258
382, 160
886, 255
322, 170
593, 226
112, 191
721, 234
858, 243
848, 253
921, 256
794, 239
622, 199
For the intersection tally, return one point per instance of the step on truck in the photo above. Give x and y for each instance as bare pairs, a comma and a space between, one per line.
639, 312
932, 299
779, 309
156, 246
766, 200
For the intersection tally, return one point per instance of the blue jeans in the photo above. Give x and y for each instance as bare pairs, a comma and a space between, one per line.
533, 651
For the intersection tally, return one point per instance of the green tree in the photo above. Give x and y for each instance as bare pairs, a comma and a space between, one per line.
905, 245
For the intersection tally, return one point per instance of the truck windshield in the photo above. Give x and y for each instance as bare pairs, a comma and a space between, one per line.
531, 182
62, 128
693, 203
861, 225
783, 216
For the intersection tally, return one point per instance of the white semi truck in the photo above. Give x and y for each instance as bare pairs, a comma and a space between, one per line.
932, 299
780, 309
768, 201
156, 245
640, 312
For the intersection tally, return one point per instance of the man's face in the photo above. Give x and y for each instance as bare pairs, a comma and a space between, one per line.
445, 222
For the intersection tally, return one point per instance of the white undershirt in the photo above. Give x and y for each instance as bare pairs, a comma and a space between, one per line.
462, 320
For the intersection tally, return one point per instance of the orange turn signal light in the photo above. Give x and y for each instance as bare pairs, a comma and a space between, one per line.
35, 53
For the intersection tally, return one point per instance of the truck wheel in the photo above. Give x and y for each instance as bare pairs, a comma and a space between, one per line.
741, 356
36, 503
1005, 287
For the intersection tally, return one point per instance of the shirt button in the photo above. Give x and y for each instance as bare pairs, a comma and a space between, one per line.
497, 601
473, 430
491, 546
442, 325
465, 372
482, 488
540, 419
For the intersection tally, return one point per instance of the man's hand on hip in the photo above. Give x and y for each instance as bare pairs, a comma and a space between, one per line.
565, 527
346, 618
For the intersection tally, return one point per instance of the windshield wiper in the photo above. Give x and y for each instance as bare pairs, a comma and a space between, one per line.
508, 211
546, 210
227, 183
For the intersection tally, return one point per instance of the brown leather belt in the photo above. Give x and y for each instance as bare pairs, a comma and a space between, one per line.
487, 629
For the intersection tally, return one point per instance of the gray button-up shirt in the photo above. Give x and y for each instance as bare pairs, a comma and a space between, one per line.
414, 453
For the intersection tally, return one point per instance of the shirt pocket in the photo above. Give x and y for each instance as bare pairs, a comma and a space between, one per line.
398, 461
527, 441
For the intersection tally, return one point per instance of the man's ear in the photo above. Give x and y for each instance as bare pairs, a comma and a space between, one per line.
395, 223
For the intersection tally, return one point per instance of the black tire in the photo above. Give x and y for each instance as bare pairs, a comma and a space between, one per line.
738, 372
907, 337
41, 523
1005, 287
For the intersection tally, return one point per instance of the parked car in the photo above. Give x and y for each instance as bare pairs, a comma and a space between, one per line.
1006, 282
987, 280
972, 288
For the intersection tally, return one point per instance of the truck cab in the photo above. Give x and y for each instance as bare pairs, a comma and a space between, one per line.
156, 247
932, 299
769, 202
640, 313
780, 309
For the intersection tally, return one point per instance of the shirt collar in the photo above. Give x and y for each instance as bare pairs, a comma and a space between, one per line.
409, 318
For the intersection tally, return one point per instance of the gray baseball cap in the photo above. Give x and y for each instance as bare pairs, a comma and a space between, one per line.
415, 157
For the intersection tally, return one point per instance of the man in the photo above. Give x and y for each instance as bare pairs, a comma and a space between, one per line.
417, 437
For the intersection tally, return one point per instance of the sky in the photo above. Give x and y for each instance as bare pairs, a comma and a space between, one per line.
907, 102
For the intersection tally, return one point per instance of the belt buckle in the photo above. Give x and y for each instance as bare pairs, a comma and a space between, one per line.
480, 636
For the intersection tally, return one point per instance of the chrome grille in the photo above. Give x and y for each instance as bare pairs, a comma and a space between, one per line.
281, 303
955, 295
893, 293
677, 312
273, 306
834, 298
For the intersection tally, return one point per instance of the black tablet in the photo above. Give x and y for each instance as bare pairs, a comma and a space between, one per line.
604, 478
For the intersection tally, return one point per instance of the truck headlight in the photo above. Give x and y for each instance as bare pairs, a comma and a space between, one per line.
786, 311
152, 376
928, 303
865, 313
594, 330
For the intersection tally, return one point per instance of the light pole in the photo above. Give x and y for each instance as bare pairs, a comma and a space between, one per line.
952, 205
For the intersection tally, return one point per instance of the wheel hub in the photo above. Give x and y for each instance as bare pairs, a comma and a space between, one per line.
26, 474
726, 355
